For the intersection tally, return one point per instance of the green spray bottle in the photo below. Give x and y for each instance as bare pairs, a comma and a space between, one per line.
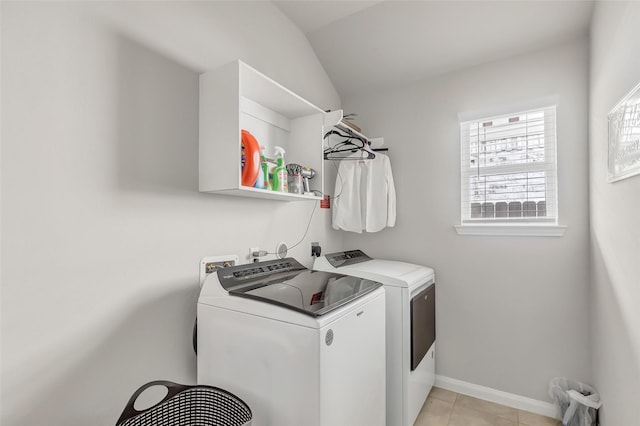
280, 178
264, 169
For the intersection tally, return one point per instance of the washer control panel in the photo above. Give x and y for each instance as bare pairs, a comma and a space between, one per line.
235, 275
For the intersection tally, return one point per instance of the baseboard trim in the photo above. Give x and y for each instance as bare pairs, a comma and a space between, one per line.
499, 397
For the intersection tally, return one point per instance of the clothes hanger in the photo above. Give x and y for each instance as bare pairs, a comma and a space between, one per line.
344, 150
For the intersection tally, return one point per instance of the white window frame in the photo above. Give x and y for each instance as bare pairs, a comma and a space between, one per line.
522, 226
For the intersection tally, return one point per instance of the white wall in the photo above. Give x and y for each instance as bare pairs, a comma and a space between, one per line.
615, 228
102, 224
512, 312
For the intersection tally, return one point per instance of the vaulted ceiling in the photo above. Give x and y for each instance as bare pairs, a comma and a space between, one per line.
365, 45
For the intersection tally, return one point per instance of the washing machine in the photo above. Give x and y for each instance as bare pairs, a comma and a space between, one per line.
410, 329
300, 347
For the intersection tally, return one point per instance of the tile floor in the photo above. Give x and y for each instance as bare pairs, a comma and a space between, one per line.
446, 408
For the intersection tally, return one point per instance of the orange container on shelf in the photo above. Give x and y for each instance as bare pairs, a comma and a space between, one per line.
251, 158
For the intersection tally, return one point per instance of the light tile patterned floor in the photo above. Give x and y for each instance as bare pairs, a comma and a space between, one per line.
446, 408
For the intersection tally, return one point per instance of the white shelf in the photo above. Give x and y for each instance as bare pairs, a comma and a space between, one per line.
247, 191
236, 97
512, 230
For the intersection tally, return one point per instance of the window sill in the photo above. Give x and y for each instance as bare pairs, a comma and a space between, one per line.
514, 230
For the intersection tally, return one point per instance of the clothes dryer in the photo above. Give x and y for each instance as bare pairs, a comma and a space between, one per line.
410, 328
300, 347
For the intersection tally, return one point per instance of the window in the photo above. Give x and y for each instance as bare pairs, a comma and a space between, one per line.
509, 170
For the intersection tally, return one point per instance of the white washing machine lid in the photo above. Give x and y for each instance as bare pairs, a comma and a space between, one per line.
388, 272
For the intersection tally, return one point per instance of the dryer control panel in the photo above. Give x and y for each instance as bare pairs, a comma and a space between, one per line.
345, 258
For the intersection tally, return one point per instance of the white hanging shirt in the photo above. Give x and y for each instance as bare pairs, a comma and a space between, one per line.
365, 195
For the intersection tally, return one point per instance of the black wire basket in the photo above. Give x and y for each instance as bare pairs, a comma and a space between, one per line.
184, 405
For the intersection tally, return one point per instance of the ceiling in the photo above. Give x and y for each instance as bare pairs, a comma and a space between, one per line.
365, 45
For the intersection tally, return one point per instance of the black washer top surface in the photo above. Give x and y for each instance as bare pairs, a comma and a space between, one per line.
286, 283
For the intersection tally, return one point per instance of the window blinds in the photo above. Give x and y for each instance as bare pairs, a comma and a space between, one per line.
509, 168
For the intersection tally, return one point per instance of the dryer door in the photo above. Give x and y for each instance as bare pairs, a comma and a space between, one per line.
423, 324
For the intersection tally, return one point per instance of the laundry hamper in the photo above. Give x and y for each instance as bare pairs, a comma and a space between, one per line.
184, 405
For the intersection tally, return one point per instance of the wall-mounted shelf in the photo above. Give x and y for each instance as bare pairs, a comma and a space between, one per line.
236, 97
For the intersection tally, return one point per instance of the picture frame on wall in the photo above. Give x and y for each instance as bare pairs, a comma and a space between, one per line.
624, 137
